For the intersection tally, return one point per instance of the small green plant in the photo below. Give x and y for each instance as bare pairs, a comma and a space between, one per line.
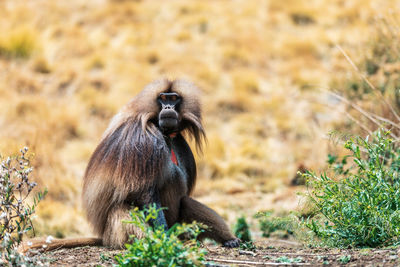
345, 259
249, 245
282, 226
105, 258
159, 247
358, 204
15, 213
285, 259
242, 230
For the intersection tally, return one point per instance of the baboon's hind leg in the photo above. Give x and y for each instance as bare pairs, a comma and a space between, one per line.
117, 233
192, 210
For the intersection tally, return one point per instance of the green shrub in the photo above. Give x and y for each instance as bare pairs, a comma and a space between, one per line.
159, 247
15, 213
359, 203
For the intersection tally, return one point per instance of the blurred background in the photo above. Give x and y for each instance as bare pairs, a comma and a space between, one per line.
266, 68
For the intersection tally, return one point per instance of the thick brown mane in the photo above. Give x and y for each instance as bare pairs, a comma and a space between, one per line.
129, 151
143, 108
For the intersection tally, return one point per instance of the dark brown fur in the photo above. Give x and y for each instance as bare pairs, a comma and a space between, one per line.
132, 164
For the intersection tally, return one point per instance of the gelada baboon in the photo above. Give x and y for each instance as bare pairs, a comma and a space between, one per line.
143, 158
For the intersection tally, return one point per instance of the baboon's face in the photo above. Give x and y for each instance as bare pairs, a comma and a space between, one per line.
168, 118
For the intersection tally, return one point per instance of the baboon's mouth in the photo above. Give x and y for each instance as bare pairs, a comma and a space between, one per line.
168, 124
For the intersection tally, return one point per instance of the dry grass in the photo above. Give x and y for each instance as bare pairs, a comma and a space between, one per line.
67, 67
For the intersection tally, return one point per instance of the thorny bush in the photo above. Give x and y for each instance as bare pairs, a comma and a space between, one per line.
15, 212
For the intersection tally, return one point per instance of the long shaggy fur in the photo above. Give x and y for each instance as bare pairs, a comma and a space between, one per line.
131, 156
132, 166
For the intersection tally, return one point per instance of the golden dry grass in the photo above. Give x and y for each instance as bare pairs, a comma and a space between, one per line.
68, 66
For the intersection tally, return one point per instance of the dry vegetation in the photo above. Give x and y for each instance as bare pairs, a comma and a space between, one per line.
68, 66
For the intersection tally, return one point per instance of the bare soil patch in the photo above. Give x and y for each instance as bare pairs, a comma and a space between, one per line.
269, 252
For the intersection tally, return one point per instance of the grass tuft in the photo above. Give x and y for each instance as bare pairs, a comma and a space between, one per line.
18, 44
278, 226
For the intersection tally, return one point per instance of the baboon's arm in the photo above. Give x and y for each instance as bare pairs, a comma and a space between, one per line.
192, 210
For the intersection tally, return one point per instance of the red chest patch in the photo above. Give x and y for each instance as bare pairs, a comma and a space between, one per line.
173, 157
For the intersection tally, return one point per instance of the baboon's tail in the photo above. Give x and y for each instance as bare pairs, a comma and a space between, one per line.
48, 244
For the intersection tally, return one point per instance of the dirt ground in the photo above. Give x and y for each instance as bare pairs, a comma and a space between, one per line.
269, 252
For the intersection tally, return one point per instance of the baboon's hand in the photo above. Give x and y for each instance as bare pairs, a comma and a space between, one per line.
234, 243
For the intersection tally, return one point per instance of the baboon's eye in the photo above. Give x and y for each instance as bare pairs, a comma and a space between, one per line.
173, 97
163, 97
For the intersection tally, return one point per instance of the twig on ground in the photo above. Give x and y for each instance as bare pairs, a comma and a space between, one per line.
301, 254
263, 263
246, 252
